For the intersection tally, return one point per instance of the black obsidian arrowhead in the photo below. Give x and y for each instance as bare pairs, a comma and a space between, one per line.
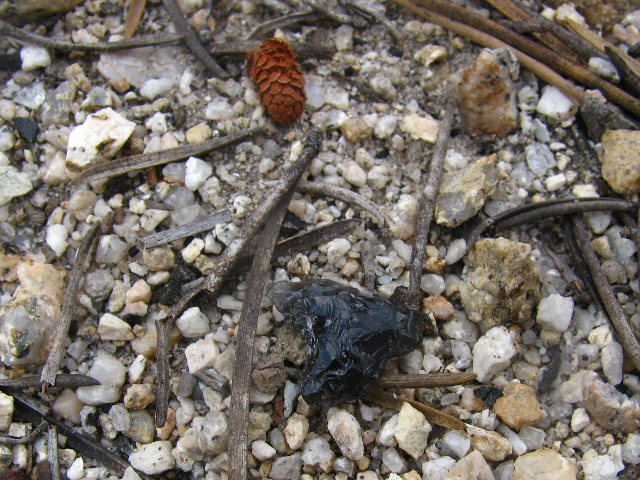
350, 335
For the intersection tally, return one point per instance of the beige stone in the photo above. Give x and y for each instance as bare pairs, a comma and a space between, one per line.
199, 133
518, 407
441, 308
621, 161
356, 130
543, 464
412, 431
421, 128
139, 292
493, 446
139, 396
471, 467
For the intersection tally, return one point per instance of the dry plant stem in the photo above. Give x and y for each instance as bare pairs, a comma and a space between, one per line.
265, 29
581, 266
345, 195
391, 400
302, 49
539, 69
28, 439
628, 76
536, 50
303, 242
617, 316
429, 380
213, 383
26, 37
85, 445
124, 165
182, 26
134, 14
58, 347
551, 373
425, 210
539, 211
339, 18
52, 453
227, 262
514, 12
367, 265
245, 339
63, 380
166, 236
381, 19
569, 275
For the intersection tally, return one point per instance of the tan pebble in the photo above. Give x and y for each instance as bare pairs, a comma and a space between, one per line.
439, 306
543, 463
356, 130
199, 133
138, 396
519, 406
493, 446
164, 433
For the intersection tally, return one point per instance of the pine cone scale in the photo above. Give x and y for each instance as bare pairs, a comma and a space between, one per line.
279, 79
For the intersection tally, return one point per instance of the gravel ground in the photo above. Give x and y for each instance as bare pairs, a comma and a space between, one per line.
554, 396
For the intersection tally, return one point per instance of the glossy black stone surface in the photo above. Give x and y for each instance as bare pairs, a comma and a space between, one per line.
350, 335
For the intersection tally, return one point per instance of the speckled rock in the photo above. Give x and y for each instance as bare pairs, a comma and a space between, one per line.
471, 467
620, 163
462, 193
493, 446
356, 130
518, 406
345, 430
544, 464
502, 283
412, 431
487, 97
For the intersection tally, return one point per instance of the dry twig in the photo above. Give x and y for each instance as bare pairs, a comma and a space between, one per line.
26, 37
616, 314
433, 415
266, 28
366, 254
381, 19
63, 380
52, 453
124, 165
183, 231
182, 26
245, 339
429, 380
28, 439
134, 14
56, 353
302, 49
347, 196
425, 210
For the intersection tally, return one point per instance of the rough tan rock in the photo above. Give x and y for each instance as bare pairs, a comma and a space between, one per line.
421, 128
412, 431
518, 407
462, 193
621, 161
356, 130
493, 446
471, 467
439, 306
543, 464
487, 97
503, 271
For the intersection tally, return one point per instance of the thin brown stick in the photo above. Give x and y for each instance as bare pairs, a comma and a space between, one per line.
30, 38
321, 6
617, 316
124, 165
56, 353
425, 210
28, 439
537, 51
303, 242
538, 68
569, 275
302, 49
213, 383
134, 14
83, 444
391, 400
558, 38
366, 254
183, 231
63, 380
553, 208
52, 453
227, 262
182, 26
264, 29
628, 77
347, 196
245, 339
381, 19
428, 380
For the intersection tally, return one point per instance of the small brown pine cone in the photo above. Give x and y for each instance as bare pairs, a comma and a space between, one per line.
280, 82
